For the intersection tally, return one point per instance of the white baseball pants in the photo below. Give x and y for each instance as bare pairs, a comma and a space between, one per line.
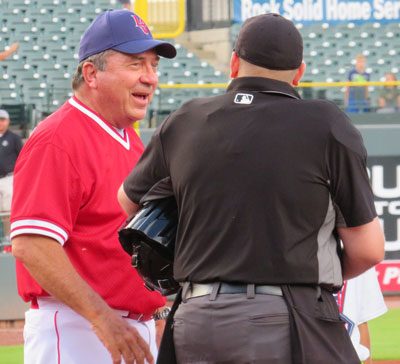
55, 334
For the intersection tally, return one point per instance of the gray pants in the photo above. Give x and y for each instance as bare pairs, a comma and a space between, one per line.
234, 329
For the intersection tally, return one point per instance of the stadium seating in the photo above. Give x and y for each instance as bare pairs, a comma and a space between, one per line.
49, 32
329, 52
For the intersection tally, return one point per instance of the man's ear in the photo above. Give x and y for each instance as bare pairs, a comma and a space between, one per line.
299, 74
234, 65
89, 73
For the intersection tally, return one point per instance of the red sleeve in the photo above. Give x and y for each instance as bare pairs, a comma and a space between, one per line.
47, 193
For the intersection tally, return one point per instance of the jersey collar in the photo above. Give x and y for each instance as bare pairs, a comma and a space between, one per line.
264, 85
73, 101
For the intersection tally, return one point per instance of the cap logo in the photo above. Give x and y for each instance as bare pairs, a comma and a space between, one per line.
140, 24
244, 99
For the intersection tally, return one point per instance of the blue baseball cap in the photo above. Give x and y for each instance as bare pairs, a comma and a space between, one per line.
123, 31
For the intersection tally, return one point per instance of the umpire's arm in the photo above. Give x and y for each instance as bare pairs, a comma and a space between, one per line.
126, 203
364, 247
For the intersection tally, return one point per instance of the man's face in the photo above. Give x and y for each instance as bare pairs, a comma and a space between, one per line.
4, 125
390, 77
360, 64
126, 87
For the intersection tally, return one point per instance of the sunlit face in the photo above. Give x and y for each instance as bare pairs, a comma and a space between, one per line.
4, 125
126, 87
360, 64
390, 77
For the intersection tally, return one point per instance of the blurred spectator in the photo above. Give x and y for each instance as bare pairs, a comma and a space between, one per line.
360, 300
10, 146
126, 4
13, 48
389, 96
356, 98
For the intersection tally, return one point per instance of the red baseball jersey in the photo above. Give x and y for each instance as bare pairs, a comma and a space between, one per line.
65, 187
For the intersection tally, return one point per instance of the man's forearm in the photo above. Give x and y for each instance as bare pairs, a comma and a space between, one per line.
49, 265
353, 267
126, 204
47, 262
364, 247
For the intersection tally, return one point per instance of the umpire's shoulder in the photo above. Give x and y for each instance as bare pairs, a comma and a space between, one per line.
327, 112
340, 126
193, 109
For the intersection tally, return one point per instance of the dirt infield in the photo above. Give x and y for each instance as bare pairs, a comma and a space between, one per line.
392, 301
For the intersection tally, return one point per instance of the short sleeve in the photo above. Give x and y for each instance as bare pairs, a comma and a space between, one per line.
149, 179
47, 193
372, 304
350, 186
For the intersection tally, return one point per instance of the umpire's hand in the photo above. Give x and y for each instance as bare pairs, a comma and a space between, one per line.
121, 339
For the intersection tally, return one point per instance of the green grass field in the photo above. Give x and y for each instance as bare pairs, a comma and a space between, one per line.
385, 336
385, 339
11, 355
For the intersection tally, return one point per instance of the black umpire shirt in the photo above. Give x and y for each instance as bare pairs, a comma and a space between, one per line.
262, 179
10, 146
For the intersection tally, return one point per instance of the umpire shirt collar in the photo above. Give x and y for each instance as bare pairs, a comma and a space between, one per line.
261, 84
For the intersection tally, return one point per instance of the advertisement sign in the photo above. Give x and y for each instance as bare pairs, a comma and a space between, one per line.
389, 275
324, 11
384, 173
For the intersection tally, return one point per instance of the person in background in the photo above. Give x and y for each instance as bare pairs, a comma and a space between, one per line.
389, 96
10, 147
88, 304
13, 48
360, 300
126, 4
265, 184
357, 97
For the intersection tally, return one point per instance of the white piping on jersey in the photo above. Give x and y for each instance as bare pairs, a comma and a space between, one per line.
101, 123
38, 232
29, 226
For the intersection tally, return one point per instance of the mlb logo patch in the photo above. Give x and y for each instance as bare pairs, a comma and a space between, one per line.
243, 99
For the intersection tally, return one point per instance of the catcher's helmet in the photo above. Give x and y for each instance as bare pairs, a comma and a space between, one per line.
149, 237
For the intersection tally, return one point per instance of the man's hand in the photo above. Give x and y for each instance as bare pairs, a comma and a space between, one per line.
121, 340
48, 263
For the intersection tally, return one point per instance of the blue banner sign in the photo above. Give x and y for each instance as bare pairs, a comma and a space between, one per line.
325, 11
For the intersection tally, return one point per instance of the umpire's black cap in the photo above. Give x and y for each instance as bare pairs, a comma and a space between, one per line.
270, 41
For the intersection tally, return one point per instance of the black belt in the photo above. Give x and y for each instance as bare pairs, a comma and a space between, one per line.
199, 289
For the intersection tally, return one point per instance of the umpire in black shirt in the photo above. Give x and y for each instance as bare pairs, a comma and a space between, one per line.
267, 184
